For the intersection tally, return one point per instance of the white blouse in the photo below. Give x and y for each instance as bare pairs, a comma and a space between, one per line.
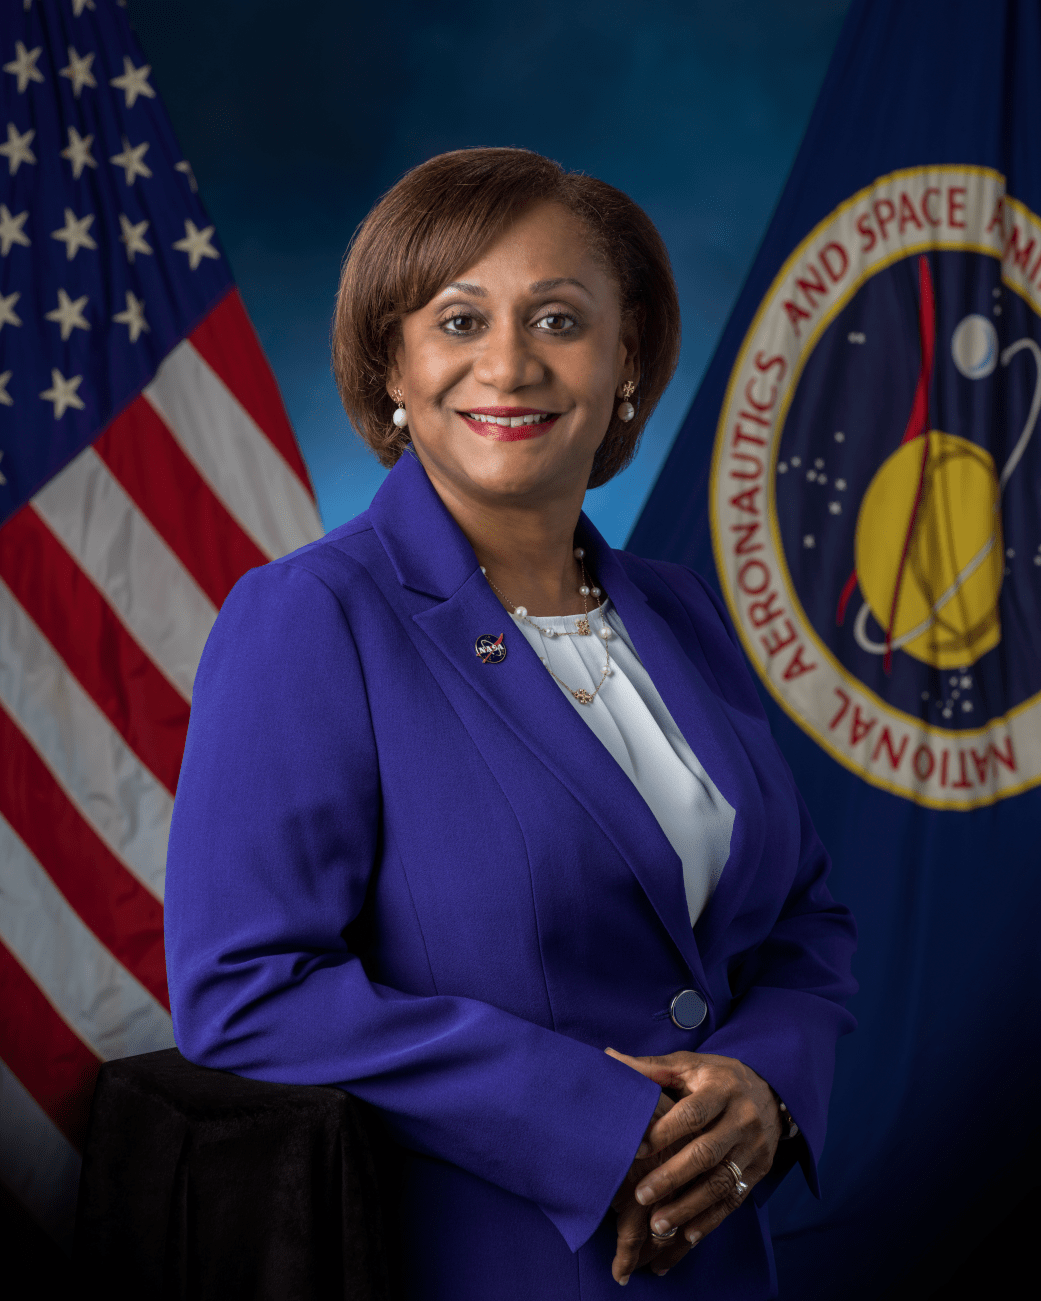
631, 720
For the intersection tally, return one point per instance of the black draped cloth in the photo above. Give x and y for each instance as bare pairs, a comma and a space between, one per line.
203, 1185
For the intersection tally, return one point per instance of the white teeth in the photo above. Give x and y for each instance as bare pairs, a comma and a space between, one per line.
509, 422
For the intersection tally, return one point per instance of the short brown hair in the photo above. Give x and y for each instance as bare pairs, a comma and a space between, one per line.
436, 222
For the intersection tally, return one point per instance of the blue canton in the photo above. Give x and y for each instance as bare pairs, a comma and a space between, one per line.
107, 258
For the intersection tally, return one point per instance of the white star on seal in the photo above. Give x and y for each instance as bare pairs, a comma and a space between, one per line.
8, 316
78, 152
24, 66
809, 540
196, 244
63, 393
134, 317
5, 398
78, 71
131, 160
11, 231
133, 236
69, 314
17, 149
134, 82
74, 233
78, 7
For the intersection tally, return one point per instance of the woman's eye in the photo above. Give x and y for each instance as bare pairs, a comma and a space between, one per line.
461, 324
556, 323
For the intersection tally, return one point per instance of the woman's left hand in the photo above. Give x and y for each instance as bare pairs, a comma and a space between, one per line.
725, 1112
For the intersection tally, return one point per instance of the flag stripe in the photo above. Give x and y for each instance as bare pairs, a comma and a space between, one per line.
229, 344
97, 771
237, 460
153, 594
53, 1064
38, 1164
166, 487
150, 715
118, 909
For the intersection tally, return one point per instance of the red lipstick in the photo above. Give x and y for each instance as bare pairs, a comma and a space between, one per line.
495, 426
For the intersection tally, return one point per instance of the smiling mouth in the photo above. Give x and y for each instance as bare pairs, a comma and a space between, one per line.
508, 426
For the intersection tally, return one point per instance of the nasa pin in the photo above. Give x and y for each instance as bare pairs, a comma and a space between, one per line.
490, 650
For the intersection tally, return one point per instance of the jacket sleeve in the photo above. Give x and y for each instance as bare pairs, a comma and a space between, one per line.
275, 838
790, 992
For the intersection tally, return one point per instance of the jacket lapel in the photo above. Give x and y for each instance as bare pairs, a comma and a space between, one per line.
430, 554
682, 676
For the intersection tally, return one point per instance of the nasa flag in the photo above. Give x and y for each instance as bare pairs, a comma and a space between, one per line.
861, 469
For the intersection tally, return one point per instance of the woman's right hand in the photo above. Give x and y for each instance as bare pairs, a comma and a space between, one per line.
636, 1245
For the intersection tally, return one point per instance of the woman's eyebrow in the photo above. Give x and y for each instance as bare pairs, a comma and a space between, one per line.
542, 286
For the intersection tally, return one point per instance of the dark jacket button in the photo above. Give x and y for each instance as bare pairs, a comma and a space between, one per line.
688, 1009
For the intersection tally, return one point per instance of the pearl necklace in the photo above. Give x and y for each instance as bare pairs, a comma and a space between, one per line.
581, 629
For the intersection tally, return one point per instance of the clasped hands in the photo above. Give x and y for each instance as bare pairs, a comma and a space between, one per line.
712, 1110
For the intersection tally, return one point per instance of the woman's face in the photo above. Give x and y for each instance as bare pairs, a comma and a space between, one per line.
511, 373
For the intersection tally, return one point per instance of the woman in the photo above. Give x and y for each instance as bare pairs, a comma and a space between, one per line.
469, 798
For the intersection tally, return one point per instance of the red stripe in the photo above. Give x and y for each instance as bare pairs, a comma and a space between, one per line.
177, 501
52, 1062
229, 345
104, 894
919, 416
147, 711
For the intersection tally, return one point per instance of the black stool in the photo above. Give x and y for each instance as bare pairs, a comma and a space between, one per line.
198, 1185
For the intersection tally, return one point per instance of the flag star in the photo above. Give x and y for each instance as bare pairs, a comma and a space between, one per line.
134, 82
132, 160
78, 7
24, 66
17, 149
5, 398
185, 166
11, 231
134, 317
8, 316
196, 244
78, 71
133, 236
74, 233
69, 314
63, 393
78, 152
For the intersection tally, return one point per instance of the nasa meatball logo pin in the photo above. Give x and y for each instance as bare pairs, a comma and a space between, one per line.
874, 485
490, 649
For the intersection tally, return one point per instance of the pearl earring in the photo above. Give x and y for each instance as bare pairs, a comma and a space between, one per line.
626, 411
400, 416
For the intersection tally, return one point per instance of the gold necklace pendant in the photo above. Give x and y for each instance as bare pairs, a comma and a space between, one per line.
583, 697
582, 627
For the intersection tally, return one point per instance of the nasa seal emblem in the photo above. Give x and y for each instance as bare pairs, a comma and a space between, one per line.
874, 487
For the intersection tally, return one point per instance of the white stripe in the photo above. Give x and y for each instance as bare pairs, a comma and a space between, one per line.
157, 599
234, 456
107, 1007
113, 791
38, 1164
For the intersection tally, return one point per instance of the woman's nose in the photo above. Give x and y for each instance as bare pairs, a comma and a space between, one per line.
507, 361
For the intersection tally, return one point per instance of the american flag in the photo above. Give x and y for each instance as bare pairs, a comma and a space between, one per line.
146, 461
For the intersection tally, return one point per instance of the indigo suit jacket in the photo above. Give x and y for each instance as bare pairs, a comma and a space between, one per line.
399, 869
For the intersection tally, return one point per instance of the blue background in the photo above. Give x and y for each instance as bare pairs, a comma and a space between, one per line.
297, 117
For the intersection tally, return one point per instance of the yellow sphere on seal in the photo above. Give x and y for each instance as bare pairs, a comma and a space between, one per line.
947, 608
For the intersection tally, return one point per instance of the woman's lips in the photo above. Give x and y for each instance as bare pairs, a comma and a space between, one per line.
502, 424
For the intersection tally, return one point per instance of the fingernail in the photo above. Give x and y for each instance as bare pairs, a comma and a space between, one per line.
643, 1150
622, 1281
644, 1195
660, 1272
661, 1227
694, 1238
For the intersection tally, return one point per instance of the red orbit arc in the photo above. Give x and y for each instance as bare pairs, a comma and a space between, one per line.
917, 425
